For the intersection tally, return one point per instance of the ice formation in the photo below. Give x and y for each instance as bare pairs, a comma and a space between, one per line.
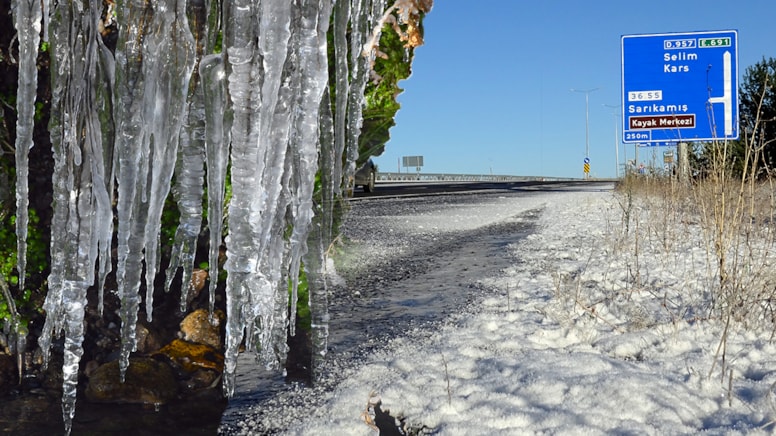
193, 89
27, 21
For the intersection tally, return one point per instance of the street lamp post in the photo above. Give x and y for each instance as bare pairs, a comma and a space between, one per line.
616, 139
587, 120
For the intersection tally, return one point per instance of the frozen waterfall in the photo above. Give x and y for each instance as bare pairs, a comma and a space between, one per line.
196, 94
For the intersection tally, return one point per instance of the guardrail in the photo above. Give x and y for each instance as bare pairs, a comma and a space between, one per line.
446, 177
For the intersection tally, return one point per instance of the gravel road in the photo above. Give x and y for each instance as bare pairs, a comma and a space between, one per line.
404, 264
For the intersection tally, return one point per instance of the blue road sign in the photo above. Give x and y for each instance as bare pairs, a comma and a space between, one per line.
680, 87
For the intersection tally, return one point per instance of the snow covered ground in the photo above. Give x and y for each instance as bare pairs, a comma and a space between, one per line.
587, 333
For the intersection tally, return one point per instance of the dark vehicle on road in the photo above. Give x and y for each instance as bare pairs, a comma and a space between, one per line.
366, 176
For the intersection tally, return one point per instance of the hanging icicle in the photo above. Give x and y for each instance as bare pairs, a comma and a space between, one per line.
80, 228
217, 123
190, 165
243, 209
27, 16
260, 108
156, 62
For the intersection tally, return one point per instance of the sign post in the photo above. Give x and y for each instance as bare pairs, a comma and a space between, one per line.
680, 87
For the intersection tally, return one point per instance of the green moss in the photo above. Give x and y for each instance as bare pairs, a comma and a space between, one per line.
303, 314
170, 219
24, 300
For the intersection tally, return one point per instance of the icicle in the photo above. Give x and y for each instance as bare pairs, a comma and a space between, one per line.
105, 77
315, 261
18, 333
188, 191
27, 17
364, 13
310, 134
79, 234
314, 67
278, 258
128, 111
73, 292
46, 9
270, 300
264, 104
156, 62
211, 70
264, 280
275, 119
218, 120
282, 198
190, 168
242, 258
169, 60
342, 87
328, 159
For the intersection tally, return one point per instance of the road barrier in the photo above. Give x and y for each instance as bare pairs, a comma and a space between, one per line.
446, 177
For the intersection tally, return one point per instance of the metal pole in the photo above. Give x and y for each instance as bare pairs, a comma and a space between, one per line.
587, 120
616, 149
636, 153
625, 159
616, 140
587, 125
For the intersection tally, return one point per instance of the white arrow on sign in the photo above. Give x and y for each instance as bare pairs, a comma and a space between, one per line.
727, 96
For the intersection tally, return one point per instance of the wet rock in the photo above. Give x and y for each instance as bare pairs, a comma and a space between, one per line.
148, 340
190, 357
196, 327
148, 381
203, 379
198, 279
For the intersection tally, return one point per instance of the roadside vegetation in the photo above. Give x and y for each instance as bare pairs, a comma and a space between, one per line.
712, 230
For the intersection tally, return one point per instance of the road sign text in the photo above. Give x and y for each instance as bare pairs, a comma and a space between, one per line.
655, 108
662, 122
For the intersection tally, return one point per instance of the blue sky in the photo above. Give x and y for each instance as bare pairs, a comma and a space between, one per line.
491, 88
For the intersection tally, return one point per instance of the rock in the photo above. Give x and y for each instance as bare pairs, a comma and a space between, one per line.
196, 328
148, 381
203, 379
148, 340
198, 279
190, 357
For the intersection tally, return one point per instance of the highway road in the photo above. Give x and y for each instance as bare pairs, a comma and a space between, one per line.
404, 189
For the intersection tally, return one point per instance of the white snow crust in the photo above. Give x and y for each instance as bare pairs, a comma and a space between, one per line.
562, 342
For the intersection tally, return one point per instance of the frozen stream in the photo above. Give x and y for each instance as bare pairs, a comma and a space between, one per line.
406, 265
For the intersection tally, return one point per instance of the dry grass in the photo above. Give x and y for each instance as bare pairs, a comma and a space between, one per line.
683, 250
734, 216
